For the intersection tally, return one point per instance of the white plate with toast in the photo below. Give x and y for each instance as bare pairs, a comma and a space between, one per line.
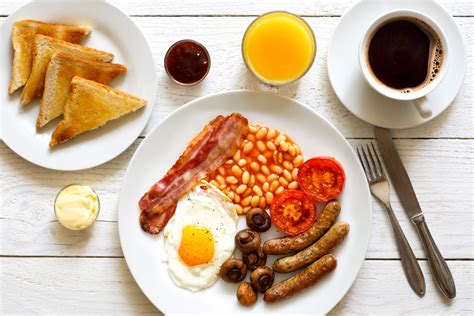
162, 147
111, 31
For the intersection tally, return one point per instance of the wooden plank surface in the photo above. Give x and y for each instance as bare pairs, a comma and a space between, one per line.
105, 286
441, 171
239, 8
46, 269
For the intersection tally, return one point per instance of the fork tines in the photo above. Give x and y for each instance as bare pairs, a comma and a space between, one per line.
371, 162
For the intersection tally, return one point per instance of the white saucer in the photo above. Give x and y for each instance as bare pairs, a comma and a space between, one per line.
352, 89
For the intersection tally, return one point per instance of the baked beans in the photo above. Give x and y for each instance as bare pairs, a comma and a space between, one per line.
265, 164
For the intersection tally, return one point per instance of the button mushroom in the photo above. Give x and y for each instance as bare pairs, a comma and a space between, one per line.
246, 294
233, 271
247, 241
255, 259
262, 278
258, 220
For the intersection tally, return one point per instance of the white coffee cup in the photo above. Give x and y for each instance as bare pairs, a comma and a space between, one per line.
418, 96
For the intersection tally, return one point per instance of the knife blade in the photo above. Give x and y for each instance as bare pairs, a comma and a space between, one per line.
397, 172
403, 187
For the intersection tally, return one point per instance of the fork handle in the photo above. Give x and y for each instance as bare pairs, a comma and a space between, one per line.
441, 272
410, 265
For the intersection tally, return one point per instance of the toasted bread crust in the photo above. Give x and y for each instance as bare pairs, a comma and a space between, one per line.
61, 69
23, 33
91, 105
44, 48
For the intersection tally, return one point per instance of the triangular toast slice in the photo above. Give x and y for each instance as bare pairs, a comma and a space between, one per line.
61, 69
44, 48
23, 35
90, 105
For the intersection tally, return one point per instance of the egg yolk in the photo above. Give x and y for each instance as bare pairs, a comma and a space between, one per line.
197, 245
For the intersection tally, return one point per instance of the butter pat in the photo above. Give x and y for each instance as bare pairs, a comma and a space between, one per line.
76, 206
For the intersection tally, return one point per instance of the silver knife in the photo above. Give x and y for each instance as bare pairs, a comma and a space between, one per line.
402, 184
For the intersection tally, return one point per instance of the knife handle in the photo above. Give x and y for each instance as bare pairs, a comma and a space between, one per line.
441, 272
410, 265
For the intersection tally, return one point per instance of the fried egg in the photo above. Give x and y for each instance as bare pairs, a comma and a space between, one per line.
200, 237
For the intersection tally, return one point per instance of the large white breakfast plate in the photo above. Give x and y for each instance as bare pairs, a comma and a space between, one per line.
162, 147
112, 31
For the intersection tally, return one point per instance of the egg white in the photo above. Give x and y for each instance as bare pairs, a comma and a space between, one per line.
208, 208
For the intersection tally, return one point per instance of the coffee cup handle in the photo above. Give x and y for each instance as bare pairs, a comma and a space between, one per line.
423, 107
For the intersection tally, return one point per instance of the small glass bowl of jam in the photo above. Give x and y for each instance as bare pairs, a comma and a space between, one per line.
187, 62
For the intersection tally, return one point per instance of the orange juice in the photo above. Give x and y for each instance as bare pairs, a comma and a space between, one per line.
279, 47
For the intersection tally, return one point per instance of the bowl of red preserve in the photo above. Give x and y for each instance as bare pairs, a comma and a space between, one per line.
187, 62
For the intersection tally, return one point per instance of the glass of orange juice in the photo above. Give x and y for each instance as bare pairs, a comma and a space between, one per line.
279, 47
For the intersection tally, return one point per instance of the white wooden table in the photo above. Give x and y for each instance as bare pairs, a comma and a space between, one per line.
45, 268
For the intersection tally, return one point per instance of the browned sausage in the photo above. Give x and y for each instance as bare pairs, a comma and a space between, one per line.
286, 245
301, 281
320, 248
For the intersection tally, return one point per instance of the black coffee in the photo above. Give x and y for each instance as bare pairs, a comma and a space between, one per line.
405, 54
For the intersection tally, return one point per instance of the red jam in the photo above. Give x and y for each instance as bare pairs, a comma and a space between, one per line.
187, 62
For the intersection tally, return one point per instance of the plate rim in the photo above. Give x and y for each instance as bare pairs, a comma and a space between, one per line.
152, 100
230, 92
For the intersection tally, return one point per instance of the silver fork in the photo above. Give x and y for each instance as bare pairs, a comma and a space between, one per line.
380, 188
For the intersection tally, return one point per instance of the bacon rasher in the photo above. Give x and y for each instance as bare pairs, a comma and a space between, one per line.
155, 223
215, 144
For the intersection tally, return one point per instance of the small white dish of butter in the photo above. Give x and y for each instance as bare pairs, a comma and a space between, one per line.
76, 206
